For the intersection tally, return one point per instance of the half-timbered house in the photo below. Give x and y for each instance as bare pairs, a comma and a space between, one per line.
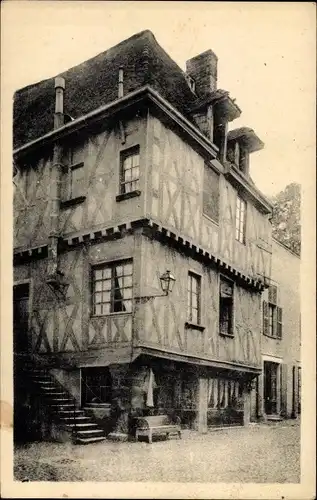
125, 174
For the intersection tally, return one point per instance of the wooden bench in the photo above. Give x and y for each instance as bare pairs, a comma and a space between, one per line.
156, 424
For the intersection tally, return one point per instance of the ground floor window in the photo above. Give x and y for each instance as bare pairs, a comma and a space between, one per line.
96, 385
223, 393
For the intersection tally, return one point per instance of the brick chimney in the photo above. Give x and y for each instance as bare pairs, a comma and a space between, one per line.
203, 69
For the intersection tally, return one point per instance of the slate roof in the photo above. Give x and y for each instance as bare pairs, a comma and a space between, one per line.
95, 83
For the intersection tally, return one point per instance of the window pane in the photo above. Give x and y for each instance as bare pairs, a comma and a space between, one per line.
107, 272
98, 286
127, 175
128, 305
98, 298
195, 316
127, 269
135, 173
127, 293
136, 160
106, 285
127, 163
106, 308
127, 188
98, 274
106, 297
98, 309
119, 270
128, 281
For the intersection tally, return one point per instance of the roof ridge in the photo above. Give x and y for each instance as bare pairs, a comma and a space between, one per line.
145, 33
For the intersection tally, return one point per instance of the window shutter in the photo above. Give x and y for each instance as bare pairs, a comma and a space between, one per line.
273, 294
279, 315
265, 318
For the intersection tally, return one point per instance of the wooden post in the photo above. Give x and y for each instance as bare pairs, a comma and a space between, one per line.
246, 406
202, 394
260, 397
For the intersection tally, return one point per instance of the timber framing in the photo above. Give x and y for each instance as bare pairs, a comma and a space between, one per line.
167, 113
151, 229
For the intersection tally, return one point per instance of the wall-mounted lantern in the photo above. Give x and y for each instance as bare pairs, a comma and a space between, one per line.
167, 282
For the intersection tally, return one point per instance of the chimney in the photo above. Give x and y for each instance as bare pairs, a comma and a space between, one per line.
203, 69
120, 83
59, 102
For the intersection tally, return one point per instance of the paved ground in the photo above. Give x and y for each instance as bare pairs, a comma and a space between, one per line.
258, 454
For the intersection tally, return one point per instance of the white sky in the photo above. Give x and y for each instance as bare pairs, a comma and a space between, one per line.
266, 57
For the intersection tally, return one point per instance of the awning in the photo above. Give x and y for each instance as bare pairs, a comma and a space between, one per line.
204, 362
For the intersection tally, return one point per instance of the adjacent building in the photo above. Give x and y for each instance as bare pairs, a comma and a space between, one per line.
143, 252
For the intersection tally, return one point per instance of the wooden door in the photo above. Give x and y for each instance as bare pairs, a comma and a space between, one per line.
270, 388
21, 318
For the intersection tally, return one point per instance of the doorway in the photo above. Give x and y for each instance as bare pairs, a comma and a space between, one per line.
21, 297
270, 387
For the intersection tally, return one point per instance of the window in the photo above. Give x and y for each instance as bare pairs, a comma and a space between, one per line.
272, 315
241, 209
226, 307
211, 193
73, 186
96, 385
193, 298
112, 288
130, 170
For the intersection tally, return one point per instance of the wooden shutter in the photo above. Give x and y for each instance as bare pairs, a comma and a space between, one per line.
211, 193
279, 319
273, 294
265, 318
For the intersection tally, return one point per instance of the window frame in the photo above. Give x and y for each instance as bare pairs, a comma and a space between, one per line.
68, 198
110, 265
85, 386
231, 330
190, 319
124, 155
272, 315
240, 234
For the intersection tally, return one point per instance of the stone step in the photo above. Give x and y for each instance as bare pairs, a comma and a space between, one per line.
78, 418
90, 440
83, 426
88, 431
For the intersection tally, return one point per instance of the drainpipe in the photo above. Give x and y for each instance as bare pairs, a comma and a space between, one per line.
55, 179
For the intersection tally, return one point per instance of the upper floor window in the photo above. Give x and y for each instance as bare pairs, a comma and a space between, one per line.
272, 315
129, 170
226, 307
241, 210
112, 288
73, 182
193, 298
211, 193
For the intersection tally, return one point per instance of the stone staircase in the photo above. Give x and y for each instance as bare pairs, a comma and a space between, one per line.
63, 407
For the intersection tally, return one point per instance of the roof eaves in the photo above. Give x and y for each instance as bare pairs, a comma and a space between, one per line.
114, 106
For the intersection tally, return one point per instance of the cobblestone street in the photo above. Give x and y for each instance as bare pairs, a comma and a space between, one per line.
256, 454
